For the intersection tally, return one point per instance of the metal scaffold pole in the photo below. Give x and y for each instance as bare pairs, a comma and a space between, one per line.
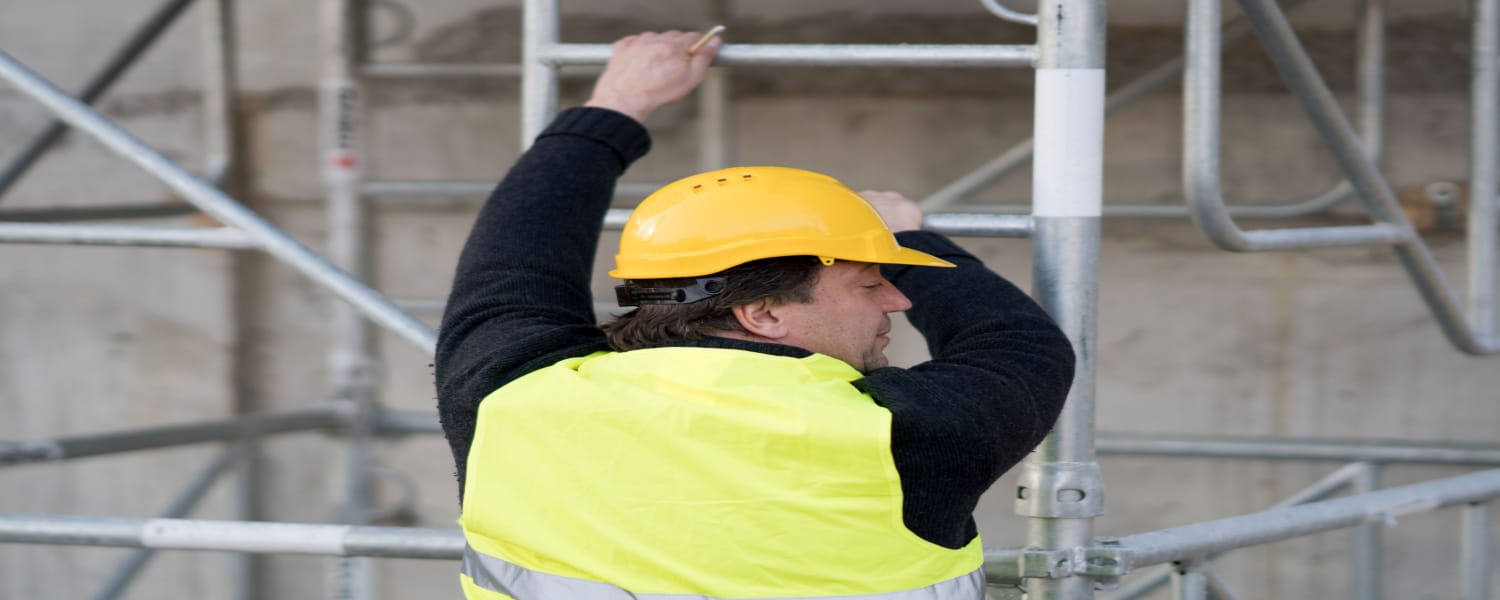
1484, 159
714, 110
1061, 490
539, 29
353, 366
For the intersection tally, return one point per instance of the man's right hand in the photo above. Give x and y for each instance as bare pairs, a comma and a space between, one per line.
898, 211
649, 70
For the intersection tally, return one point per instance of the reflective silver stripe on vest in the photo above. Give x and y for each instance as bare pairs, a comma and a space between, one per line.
518, 582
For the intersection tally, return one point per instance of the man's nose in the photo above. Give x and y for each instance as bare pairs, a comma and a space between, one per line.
896, 301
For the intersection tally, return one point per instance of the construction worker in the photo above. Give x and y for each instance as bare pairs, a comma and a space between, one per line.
739, 434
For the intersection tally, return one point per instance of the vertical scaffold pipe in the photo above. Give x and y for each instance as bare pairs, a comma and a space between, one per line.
1484, 156
353, 368
1365, 555
1189, 581
538, 79
220, 141
1061, 490
1477, 567
715, 132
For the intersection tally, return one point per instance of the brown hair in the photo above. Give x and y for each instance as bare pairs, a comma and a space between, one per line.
787, 279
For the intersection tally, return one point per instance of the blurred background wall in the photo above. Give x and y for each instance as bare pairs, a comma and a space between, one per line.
1193, 340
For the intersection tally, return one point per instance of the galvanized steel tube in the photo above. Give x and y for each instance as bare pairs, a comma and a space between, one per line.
220, 80
1484, 158
80, 446
234, 536
438, 70
823, 55
961, 225
404, 423
1295, 521
1189, 581
1477, 564
420, 70
539, 32
354, 369
715, 111
1377, 451
126, 235
1364, 557
1061, 491
217, 204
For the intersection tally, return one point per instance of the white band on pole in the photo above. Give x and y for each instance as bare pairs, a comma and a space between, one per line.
1068, 172
179, 534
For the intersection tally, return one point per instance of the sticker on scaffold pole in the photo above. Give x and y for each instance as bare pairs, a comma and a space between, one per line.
1068, 168
341, 104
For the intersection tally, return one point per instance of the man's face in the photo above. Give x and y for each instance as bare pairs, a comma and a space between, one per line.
848, 317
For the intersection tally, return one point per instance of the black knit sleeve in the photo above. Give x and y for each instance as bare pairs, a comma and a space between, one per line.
521, 297
999, 374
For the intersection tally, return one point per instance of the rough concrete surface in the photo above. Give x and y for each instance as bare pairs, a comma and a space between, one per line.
1192, 340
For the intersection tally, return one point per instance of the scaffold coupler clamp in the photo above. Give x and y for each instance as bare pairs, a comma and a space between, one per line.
351, 370
1060, 490
1104, 562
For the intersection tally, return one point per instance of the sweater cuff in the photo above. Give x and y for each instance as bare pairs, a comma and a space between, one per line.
930, 242
622, 134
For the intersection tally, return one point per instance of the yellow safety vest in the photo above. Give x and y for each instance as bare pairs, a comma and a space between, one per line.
694, 473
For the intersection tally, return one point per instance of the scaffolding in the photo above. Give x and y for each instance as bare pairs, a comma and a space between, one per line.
1060, 490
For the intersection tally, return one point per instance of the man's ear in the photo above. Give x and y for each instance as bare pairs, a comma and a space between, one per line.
762, 319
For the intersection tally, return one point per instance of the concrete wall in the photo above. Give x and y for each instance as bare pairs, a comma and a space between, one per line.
1193, 340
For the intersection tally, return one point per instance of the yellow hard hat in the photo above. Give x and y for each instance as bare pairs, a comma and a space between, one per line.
712, 221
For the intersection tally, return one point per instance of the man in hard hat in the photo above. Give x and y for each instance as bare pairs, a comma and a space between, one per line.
739, 434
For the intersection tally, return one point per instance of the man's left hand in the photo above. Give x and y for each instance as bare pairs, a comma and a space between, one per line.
649, 70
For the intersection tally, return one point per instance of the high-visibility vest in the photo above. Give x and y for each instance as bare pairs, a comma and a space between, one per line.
694, 473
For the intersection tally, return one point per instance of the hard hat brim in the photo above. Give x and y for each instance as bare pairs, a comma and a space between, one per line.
917, 258
900, 256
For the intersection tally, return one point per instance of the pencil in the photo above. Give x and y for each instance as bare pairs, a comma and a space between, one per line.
718, 29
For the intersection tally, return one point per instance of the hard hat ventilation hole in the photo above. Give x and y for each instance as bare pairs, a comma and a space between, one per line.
697, 187
723, 180
747, 177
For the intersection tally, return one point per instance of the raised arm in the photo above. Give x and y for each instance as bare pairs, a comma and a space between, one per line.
521, 297
999, 374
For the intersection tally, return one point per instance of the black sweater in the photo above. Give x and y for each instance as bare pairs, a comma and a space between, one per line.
521, 301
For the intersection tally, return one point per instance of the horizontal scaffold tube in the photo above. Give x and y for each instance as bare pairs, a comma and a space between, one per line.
828, 55
1200, 539
79, 446
126, 235
1376, 451
234, 536
1309, 449
1143, 549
